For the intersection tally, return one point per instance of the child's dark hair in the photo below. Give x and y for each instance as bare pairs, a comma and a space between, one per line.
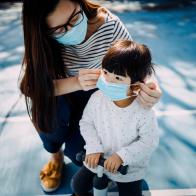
126, 57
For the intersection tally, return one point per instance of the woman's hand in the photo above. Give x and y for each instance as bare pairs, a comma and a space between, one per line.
92, 159
112, 163
87, 78
149, 94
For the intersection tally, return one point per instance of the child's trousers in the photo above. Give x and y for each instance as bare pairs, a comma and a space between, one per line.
82, 183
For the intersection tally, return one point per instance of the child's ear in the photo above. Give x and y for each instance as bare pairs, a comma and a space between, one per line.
135, 88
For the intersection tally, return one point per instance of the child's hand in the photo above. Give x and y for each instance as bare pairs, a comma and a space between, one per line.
113, 163
92, 159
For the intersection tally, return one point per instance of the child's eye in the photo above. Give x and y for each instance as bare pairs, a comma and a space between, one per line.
105, 72
118, 78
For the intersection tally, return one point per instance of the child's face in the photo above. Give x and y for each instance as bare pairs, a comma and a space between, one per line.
113, 78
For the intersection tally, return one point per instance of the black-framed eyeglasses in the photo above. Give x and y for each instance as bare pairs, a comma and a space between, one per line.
61, 30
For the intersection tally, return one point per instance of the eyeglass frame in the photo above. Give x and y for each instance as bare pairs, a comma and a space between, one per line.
52, 30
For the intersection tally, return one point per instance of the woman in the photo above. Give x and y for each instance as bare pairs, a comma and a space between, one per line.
65, 41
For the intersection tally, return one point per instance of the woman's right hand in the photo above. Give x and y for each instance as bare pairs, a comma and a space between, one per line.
87, 78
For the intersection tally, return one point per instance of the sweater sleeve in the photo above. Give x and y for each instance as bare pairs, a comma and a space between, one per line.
87, 127
141, 149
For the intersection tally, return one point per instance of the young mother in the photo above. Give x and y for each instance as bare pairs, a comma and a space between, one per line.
65, 41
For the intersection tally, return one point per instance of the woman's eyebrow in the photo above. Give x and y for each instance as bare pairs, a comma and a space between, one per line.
67, 20
74, 11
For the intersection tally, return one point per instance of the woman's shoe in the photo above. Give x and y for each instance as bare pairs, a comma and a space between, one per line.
51, 175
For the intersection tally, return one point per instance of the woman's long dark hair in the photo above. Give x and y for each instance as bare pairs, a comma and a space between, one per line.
42, 61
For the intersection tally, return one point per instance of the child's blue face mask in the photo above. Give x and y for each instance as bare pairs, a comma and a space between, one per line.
76, 34
114, 91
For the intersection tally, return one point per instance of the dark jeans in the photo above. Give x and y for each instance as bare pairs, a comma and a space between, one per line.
82, 183
68, 115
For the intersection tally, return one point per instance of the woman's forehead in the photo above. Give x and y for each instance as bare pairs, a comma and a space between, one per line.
61, 14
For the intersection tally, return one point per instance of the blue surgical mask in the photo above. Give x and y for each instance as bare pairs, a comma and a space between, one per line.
76, 34
114, 91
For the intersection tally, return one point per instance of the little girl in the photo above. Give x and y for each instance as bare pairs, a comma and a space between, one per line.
114, 125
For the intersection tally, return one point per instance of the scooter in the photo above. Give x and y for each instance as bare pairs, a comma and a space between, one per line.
100, 181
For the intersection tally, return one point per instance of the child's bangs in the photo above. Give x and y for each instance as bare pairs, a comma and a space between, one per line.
112, 66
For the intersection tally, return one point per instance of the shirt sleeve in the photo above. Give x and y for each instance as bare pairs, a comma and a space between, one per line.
87, 128
140, 150
120, 31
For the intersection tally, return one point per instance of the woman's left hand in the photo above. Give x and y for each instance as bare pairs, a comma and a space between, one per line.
149, 94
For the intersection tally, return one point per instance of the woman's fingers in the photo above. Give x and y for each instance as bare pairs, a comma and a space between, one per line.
153, 92
90, 77
87, 78
90, 88
148, 99
149, 95
89, 71
87, 85
142, 102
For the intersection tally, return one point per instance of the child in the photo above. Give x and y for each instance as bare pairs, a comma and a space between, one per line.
114, 125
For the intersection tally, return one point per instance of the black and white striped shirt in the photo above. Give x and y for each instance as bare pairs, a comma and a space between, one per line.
90, 53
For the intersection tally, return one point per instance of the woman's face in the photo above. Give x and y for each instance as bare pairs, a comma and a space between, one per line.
63, 13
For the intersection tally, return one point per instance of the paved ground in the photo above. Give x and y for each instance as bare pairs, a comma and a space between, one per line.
171, 35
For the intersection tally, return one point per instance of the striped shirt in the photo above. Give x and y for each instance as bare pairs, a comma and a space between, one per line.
90, 53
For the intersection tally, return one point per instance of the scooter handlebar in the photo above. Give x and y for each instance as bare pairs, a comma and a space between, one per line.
81, 157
